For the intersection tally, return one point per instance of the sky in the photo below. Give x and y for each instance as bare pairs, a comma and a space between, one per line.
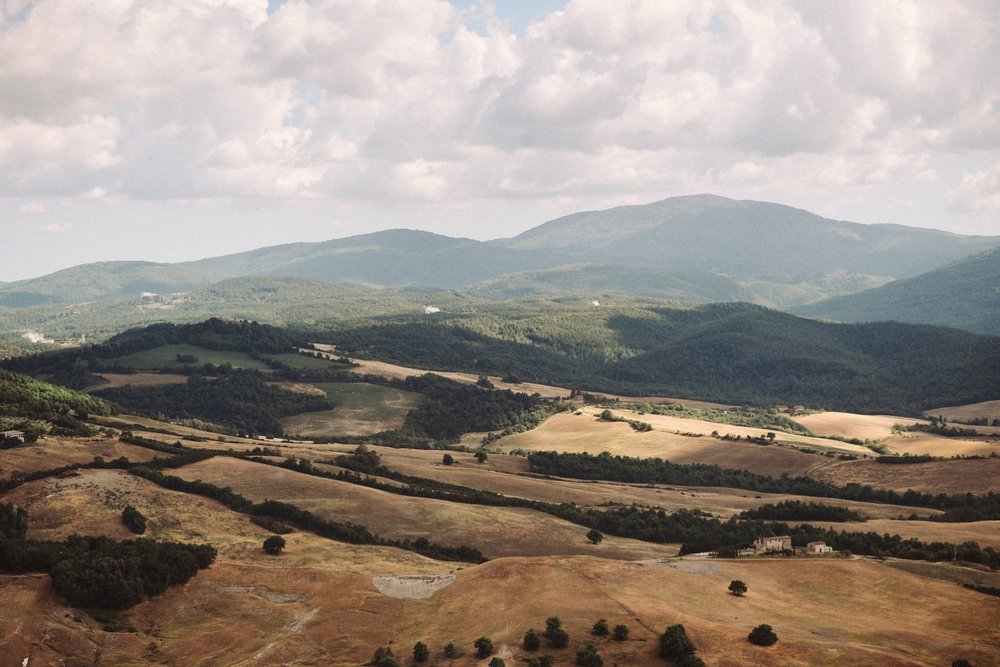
168, 130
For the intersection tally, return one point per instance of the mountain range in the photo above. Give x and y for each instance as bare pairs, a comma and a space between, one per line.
701, 248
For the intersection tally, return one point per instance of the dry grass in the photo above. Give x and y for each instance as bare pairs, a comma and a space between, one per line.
937, 445
849, 425
360, 409
55, 452
955, 476
495, 531
986, 533
113, 380
988, 409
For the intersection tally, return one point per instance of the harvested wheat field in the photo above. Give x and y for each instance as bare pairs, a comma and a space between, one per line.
917, 443
722, 502
495, 531
952, 477
360, 409
53, 452
850, 425
567, 432
989, 410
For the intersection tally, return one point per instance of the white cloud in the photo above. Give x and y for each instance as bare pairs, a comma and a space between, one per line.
978, 191
361, 101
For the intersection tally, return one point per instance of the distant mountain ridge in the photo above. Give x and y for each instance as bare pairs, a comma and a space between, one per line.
701, 248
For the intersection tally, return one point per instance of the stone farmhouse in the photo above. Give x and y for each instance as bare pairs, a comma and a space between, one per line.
776, 543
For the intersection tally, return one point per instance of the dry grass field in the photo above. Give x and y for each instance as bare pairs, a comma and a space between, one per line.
54, 452
360, 409
988, 409
917, 443
849, 425
986, 533
495, 531
317, 604
958, 476
112, 380
568, 432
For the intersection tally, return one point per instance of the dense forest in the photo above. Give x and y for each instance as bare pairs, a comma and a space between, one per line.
730, 353
242, 400
36, 407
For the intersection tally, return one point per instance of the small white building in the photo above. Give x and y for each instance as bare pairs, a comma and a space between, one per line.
818, 548
12, 435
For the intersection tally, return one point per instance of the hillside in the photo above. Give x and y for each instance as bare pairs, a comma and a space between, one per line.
746, 239
783, 256
963, 294
731, 353
595, 280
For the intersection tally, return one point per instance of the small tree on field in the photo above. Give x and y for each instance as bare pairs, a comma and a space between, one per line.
600, 628
450, 650
595, 536
554, 632
497, 662
588, 657
737, 587
447, 459
484, 646
762, 635
674, 643
134, 520
962, 662
274, 545
481, 456
384, 658
531, 642
620, 633
421, 652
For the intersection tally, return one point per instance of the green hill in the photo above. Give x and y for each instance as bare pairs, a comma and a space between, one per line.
596, 280
965, 294
732, 353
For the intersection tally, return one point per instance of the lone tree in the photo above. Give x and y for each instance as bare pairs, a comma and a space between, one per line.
595, 536
762, 635
134, 520
554, 632
532, 641
384, 658
421, 652
274, 545
737, 587
600, 628
484, 646
674, 643
447, 459
481, 456
450, 650
620, 633
497, 662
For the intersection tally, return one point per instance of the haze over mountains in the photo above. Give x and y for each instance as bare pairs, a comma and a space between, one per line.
701, 248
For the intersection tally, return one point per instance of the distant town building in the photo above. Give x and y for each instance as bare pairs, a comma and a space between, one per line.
430, 310
819, 548
776, 543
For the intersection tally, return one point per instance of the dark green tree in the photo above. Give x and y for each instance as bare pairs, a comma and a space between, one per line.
588, 657
595, 536
497, 662
620, 633
450, 650
447, 459
13, 521
134, 520
555, 633
531, 641
674, 643
762, 635
384, 658
421, 652
481, 456
600, 628
483, 646
737, 587
274, 545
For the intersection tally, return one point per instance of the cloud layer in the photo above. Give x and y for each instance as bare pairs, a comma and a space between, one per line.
422, 102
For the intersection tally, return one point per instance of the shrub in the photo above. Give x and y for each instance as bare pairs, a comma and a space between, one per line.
497, 662
674, 643
421, 652
274, 545
737, 587
484, 646
595, 536
447, 459
762, 635
588, 657
620, 633
384, 658
450, 651
481, 456
554, 632
531, 641
134, 520
600, 628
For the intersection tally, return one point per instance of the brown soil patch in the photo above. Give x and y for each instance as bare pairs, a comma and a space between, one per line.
952, 476
52, 452
495, 531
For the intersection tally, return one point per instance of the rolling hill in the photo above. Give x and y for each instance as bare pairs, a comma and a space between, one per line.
799, 256
964, 294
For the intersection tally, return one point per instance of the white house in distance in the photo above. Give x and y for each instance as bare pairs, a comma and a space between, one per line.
12, 435
776, 543
819, 548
